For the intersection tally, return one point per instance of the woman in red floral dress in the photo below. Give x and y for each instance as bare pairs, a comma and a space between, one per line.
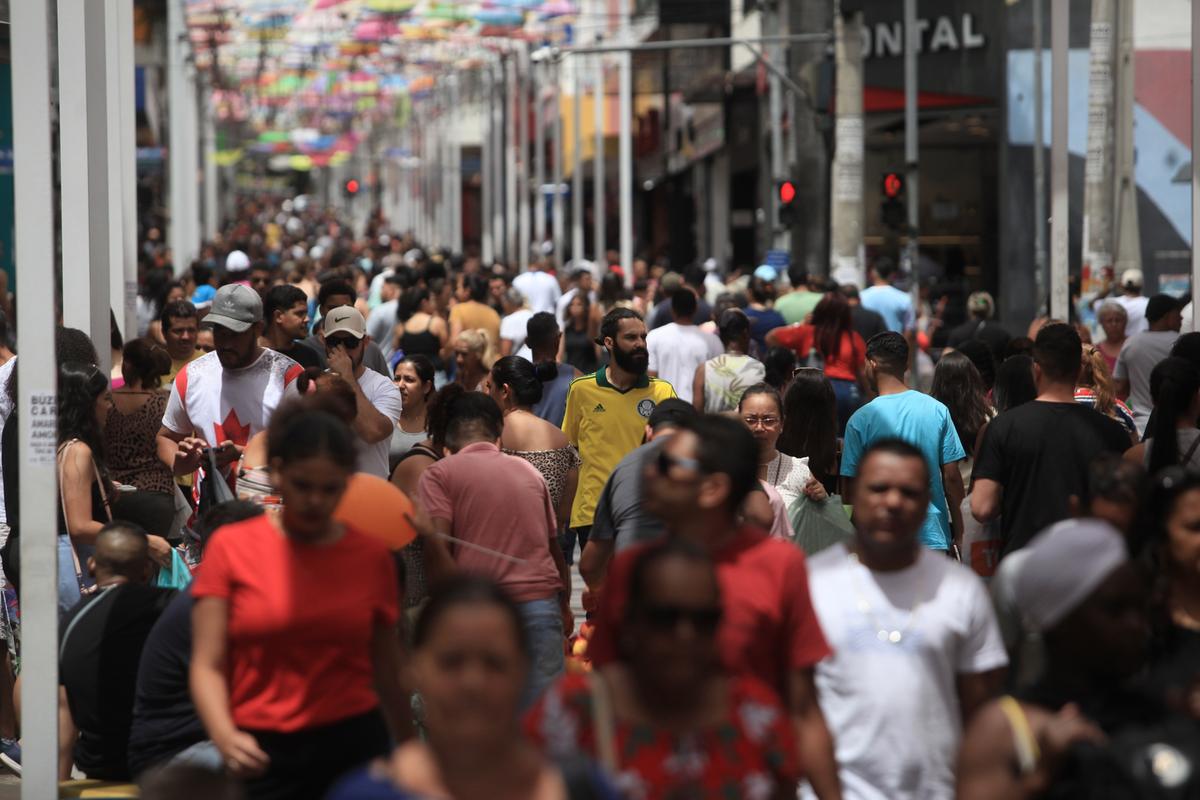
665, 721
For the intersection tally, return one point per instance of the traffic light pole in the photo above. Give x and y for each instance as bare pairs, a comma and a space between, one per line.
912, 39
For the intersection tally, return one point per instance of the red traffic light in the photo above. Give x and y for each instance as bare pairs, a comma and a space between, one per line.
787, 192
352, 186
893, 185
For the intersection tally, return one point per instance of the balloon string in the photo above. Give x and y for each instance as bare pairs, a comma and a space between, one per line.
481, 548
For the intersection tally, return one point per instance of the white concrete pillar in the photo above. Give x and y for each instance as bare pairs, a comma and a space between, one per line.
84, 113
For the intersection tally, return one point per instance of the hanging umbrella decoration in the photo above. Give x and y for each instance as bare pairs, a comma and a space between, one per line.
325, 66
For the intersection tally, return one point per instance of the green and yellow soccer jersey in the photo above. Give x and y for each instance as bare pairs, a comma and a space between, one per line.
604, 424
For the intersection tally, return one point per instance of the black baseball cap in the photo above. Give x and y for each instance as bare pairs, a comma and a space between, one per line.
1159, 306
671, 412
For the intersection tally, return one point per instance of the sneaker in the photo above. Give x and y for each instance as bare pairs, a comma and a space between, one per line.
10, 754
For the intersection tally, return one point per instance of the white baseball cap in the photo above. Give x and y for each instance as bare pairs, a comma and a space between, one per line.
237, 261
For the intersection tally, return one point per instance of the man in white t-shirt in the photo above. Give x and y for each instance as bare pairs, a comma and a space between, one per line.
225, 397
1132, 300
916, 647
512, 325
540, 288
678, 348
377, 399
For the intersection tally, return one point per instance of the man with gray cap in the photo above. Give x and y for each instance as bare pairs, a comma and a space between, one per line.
223, 398
377, 400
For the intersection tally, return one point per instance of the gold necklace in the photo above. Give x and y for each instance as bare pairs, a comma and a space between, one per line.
882, 632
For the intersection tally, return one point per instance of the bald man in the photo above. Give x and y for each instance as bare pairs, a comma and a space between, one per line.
102, 640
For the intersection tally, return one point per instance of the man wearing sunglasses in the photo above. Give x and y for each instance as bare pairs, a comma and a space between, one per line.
377, 398
696, 485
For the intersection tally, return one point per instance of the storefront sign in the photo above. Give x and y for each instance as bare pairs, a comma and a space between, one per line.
940, 34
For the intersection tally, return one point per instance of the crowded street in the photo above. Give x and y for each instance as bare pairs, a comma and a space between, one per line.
599, 400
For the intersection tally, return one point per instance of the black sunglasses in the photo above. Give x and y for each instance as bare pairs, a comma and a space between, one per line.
665, 619
348, 342
665, 461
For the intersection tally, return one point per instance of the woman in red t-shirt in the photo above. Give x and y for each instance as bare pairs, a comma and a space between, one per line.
664, 719
832, 342
295, 641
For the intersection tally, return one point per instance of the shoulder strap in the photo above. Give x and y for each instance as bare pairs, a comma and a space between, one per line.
1024, 742
1191, 451
603, 726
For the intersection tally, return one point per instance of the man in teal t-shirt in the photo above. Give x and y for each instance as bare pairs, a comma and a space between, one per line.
916, 418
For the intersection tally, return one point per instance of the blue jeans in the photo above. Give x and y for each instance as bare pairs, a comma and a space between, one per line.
544, 632
849, 398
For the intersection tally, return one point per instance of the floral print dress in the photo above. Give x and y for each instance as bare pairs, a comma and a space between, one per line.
749, 755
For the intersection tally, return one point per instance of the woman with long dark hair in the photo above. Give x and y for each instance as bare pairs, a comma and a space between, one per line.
1014, 383
832, 344
1172, 439
87, 490
294, 694
419, 329
958, 386
579, 347
1169, 557
809, 425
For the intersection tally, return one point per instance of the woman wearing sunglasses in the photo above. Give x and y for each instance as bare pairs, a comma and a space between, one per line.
663, 719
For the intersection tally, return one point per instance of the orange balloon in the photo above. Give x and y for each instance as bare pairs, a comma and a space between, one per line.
376, 507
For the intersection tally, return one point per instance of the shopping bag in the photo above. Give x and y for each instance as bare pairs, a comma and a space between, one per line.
818, 525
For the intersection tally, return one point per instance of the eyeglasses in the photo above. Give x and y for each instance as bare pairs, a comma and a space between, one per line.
666, 619
766, 422
665, 461
348, 342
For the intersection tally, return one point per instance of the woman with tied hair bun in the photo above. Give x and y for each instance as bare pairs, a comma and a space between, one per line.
516, 386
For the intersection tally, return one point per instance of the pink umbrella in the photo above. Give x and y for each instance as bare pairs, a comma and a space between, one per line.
321, 5
375, 30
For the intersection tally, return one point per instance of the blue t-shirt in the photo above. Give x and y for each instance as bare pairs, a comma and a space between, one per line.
553, 405
761, 323
924, 423
892, 304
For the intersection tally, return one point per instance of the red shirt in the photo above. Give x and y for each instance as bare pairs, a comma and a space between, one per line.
301, 618
501, 502
768, 629
843, 365
750, 753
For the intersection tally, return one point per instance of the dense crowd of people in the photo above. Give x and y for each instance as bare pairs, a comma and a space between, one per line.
832, 542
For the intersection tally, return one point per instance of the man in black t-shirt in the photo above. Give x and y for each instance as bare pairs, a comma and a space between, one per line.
102, 640
1036, 456
165, 723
